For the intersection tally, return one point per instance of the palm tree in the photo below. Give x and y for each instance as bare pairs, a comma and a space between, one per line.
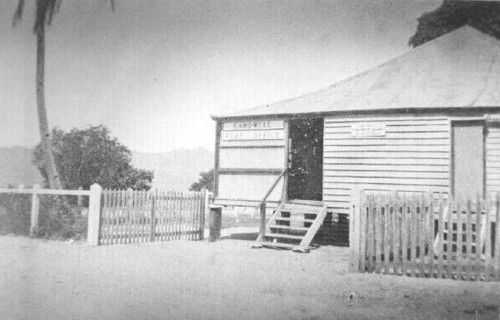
45, 11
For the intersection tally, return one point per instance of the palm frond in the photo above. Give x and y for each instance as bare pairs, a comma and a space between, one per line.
41, 14
18, 15
53, 8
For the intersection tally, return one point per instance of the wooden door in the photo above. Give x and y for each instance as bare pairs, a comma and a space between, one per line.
468, 159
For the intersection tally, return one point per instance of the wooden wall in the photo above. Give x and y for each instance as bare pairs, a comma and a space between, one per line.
251, 156
493, 160
384, 153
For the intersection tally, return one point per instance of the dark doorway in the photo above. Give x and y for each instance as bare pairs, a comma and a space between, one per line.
306, 159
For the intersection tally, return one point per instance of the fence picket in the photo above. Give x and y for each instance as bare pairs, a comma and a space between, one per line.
403, 216
449, 239
413, 235
395, 232
497, 236
387, 243
477, 264
459, 243
421, 234
468, 244
362, 235
487, 241
431, 235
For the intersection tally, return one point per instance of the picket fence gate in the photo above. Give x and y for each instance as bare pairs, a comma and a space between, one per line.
423, 235
141, 216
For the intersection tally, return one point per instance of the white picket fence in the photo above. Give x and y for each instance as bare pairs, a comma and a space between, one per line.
422, 236
103, 208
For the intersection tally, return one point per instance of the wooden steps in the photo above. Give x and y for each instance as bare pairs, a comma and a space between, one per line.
293, 225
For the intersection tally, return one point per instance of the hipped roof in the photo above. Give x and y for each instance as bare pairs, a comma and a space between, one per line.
458, 70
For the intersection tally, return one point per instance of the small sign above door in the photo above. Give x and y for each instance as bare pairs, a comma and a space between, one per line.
363, 130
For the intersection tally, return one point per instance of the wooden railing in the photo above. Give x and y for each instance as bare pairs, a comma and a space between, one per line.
262, 203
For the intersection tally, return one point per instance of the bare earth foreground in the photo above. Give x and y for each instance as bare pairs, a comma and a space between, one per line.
222, 280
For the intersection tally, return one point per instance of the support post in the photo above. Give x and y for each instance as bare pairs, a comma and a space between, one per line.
94, 219
354, 230
262, 226
35, 210
215, 223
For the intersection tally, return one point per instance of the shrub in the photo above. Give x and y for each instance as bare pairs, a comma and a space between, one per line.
15, 210
57, 220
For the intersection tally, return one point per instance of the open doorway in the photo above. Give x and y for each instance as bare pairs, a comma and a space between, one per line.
305, 180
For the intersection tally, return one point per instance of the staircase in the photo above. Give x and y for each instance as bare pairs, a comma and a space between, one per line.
294, 225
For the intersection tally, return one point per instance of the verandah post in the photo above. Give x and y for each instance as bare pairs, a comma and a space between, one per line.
35, 209
354, 230
94, 215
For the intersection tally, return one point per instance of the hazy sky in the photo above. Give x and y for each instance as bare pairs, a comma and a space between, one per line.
153, 71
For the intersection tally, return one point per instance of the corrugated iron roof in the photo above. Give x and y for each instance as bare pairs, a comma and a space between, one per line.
458, 70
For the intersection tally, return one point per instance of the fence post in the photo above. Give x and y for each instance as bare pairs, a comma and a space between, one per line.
94, 215
215, 222
79, 198
35, 209
354, 230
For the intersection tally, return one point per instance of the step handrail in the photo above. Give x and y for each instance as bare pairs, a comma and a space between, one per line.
268, 193
262, 204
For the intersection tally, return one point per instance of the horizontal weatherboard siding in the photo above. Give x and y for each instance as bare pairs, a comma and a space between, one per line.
493, 161
407, 154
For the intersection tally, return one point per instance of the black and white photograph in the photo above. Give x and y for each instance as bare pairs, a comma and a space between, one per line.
249, 159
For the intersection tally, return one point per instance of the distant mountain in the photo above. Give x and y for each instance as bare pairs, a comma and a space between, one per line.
16, 167
176, 169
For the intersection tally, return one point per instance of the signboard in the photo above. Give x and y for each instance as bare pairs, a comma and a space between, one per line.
253, 135
363, 130
253, 125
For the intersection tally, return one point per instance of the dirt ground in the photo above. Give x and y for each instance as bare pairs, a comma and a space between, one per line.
222, 280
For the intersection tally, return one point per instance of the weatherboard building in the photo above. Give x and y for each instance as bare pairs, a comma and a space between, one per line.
428, 120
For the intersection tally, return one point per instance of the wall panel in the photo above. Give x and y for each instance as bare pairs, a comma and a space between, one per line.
258, 145
408, 154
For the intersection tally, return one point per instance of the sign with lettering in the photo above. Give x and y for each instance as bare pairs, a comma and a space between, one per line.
253, 135
366, 129
253, 125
